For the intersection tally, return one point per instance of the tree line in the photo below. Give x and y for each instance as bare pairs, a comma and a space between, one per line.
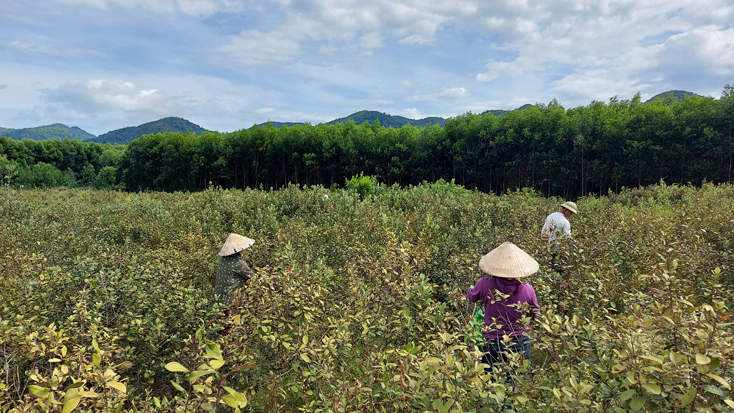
50, 163
555, 151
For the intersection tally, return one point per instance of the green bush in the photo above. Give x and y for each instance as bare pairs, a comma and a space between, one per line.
358, 301
362, 184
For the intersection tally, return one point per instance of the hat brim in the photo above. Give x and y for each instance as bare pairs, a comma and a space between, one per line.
508, 261
234, 244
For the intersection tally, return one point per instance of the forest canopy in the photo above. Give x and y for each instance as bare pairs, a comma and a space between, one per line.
553, 150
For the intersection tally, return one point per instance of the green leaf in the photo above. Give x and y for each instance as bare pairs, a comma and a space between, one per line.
38, 391
702, 359
651, 387
653, 359
721, 380
627, 394
230, 390
75, 385
177, 386
729, 402
71, 393
231, 402
176, 367
617, 368
637, 402
117, 386
216, 364
714, 390
305, 358
198, 373
71, 404
213, 350
441, 406
688, 397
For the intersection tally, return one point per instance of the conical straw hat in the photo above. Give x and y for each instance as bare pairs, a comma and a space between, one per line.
508, 261
234, 244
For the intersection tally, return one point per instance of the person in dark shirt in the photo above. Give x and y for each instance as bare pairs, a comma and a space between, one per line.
508, 303
232, 272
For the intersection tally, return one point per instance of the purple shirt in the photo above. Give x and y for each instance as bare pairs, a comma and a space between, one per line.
503, 311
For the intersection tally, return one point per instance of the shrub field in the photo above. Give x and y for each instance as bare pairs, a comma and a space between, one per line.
358, 302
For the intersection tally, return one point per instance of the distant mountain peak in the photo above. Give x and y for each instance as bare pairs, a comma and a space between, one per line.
170, 124
48, 132
370, 116
679, 95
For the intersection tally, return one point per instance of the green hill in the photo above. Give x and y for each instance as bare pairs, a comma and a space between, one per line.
126, 135
40, 133
675, 95
500, 112
280, 124
386, 120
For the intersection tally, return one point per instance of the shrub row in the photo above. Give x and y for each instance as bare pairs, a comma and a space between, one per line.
358, 301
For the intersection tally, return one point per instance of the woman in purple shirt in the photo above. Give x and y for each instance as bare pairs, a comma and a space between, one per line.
509, 305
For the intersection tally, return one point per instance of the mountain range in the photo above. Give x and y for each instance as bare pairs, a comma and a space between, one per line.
55, 131
173, 124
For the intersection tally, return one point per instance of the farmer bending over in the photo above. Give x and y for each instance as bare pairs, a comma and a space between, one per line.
232, 272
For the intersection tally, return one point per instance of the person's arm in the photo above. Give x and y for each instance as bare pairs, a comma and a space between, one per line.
475, 293
534, 306
242, 270
567, 229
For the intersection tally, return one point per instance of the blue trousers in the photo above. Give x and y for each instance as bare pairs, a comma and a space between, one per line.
495, 350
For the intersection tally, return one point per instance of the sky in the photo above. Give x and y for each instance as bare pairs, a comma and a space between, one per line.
226, 65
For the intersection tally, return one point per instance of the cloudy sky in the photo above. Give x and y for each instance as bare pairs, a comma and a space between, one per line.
228, 64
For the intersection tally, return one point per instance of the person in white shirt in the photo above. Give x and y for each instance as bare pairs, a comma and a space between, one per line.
557, 226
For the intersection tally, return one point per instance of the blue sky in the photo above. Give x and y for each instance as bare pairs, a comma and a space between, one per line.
228, 64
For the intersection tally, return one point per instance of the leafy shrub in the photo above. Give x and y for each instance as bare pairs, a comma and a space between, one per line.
358, 302
362, 184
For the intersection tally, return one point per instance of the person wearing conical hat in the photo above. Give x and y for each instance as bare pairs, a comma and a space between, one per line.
556, 225
508, 303
232, 272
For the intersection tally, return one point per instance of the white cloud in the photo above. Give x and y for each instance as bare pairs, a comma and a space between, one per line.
410, 113
589, 49
446, 94
95, 96
270, 114
25, 47
238, 62
453, 93
253, 47
371, 40
708, 46
344, 24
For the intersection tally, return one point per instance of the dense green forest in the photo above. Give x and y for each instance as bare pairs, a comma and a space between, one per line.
553, 150
50, 163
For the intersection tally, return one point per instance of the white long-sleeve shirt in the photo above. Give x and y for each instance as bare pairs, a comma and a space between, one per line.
556, 225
